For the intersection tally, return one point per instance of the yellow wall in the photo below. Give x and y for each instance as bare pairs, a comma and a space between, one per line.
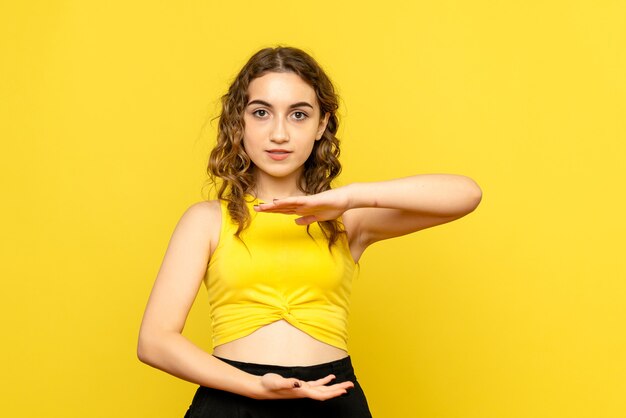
515, 311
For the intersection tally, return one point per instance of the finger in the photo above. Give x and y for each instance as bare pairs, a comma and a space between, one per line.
306, 220
343, 385
267, 207
322, 381
325, 395
289, 384
283, 203
337, 386
286, 211
293, 204
294, 200
290, 210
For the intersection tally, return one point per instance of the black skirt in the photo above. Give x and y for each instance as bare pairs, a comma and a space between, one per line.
215, 403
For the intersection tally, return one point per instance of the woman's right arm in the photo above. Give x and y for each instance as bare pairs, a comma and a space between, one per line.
161, 343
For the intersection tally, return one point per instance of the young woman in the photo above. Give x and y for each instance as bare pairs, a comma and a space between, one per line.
277, 251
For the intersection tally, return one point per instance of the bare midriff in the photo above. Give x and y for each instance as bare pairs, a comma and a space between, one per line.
279, 343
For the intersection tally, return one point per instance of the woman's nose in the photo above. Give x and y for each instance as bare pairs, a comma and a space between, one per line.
279, 132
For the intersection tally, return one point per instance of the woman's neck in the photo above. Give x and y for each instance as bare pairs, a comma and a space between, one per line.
268, 188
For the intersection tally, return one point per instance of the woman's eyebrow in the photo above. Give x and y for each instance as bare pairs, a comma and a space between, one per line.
264, 103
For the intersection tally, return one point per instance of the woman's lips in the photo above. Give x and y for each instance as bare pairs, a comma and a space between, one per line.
278, 154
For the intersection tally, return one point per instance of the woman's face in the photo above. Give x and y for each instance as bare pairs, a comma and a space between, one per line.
282, 122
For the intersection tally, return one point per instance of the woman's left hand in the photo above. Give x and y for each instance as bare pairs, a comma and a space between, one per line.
323, 206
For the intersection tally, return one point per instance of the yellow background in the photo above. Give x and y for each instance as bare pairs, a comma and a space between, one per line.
516, 311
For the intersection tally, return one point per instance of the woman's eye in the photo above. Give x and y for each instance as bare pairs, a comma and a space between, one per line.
299, 115
260, 113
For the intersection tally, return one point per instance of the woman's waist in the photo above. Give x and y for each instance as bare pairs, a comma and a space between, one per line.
281, 344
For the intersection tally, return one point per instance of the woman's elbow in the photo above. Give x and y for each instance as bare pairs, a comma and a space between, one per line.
145, 347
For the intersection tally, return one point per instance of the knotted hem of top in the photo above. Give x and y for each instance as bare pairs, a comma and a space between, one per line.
335, 342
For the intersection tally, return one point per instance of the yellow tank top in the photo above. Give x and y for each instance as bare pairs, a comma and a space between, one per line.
278, 272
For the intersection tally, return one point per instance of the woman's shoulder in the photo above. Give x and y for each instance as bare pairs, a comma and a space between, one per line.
205, 208
203, 216
203, 219
205, 212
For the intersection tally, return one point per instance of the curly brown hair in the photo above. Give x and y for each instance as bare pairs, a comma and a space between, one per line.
230, 166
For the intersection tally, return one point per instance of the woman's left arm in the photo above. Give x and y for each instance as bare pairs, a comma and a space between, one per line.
380, 210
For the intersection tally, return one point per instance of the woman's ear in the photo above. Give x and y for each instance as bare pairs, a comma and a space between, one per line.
322, 126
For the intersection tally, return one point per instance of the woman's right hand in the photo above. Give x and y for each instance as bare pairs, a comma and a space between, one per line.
274, 386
